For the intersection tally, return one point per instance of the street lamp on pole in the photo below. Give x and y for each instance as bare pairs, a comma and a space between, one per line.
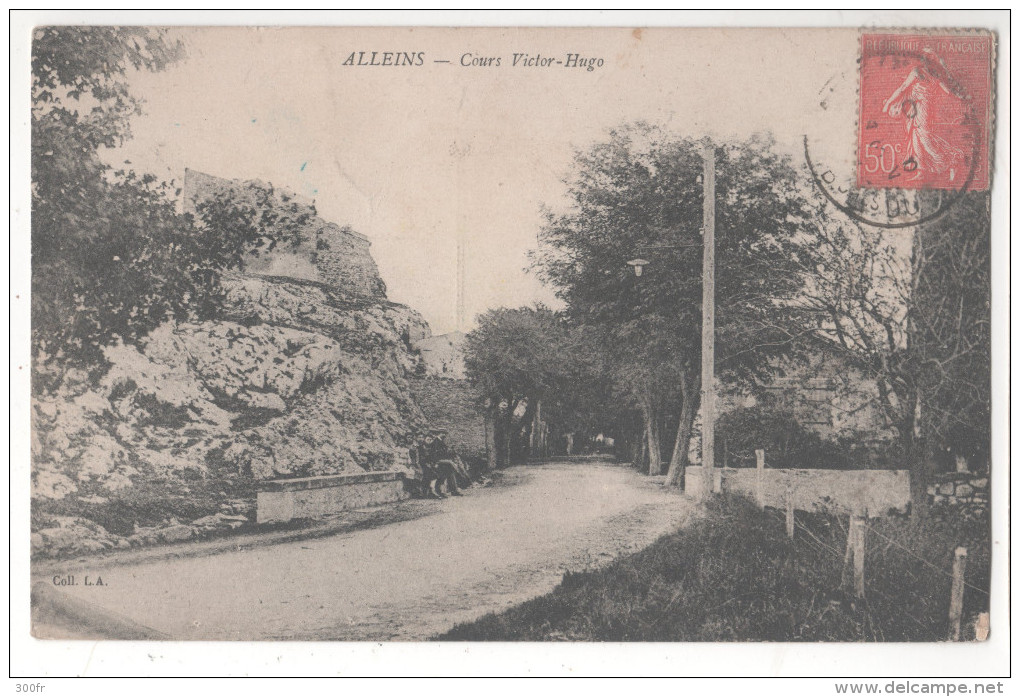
707, 180
639, 266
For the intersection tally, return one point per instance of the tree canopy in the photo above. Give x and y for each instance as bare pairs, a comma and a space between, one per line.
514, 354
534, 368
639, 194
107, 261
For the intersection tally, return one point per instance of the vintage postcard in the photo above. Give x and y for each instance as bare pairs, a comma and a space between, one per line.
515, 334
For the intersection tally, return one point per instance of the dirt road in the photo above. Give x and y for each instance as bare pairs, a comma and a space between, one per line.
490, 549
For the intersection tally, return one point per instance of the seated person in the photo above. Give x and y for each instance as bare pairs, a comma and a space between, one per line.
425, 469
444, 460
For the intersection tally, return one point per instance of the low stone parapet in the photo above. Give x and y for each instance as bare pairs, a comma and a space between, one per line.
873, 492
280, 500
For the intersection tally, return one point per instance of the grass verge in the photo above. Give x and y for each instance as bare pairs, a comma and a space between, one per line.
733, 575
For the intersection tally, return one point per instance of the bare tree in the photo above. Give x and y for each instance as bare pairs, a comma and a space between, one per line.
912, 310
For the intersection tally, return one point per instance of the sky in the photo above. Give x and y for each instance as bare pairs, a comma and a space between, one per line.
415, 156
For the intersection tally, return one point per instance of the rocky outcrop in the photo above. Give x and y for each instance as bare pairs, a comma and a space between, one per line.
300, 377
359, 325
198, 412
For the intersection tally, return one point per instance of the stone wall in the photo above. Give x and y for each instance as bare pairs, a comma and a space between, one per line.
344, 261
963, 492
453, 405
199, 186
324, 252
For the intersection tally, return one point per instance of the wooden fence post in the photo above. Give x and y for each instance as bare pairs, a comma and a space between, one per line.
790, 520
855, 551
981, 627
862, 527
848, 556
956, 595
759, 482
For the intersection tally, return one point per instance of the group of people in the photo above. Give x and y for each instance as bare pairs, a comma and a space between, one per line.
438, 464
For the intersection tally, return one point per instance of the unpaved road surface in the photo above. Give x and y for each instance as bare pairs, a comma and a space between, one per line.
483, 552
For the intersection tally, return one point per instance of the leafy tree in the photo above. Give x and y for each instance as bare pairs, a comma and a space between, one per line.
106, 257
249, 221
638, 194
950, 329
584, 402
515, 357
651, 368
112, 256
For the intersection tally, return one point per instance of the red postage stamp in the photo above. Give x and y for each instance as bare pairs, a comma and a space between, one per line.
925, 120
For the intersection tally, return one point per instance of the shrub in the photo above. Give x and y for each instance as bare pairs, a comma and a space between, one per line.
786, 442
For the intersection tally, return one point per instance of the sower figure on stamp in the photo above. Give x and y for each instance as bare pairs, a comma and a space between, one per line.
443, 459
924, 99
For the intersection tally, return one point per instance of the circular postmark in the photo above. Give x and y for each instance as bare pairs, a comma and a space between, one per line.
891, 212
922, 128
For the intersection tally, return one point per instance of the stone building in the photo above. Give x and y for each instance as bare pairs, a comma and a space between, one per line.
831, 397
443, 355
825, 395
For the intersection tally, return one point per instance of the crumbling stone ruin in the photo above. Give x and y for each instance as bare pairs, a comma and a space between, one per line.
327, 253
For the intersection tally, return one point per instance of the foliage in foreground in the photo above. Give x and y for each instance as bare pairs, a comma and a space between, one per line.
112, 258
734, 576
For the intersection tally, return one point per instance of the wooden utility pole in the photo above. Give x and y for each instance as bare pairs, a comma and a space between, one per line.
461, 313
708, 319
859, 546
